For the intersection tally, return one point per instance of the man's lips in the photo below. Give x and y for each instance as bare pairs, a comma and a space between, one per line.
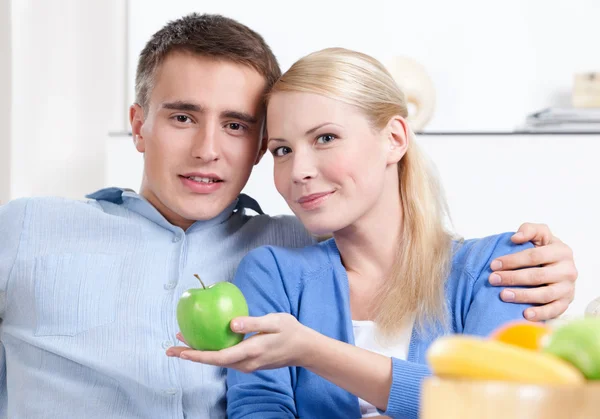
203, 177
201, 183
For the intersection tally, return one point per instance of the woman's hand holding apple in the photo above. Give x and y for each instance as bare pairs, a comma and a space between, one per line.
279, 341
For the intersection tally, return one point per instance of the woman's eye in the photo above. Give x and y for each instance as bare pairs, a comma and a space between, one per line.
325, 138
281, 151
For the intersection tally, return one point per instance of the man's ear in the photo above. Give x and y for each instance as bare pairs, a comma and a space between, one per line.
136, 120
263, 147
398, 133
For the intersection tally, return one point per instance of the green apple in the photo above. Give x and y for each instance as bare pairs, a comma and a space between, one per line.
577, 342
204, 315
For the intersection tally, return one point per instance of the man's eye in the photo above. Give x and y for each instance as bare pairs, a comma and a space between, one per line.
235, 128
182, 118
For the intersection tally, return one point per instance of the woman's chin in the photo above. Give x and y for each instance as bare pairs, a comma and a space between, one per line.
320, 229
320, 224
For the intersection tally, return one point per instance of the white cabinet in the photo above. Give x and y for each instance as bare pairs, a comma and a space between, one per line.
494, 183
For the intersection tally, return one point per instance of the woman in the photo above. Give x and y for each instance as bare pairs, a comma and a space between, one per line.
346, 323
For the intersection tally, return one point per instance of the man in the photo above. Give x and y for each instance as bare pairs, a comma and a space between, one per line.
88, 290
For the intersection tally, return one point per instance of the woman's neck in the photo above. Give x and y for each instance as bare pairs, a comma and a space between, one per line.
368, 247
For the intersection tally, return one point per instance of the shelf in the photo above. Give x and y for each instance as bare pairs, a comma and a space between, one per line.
448, 133
119, 134
509, 133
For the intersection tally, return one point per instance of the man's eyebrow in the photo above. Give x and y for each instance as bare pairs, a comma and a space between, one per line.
242, 116
181, 105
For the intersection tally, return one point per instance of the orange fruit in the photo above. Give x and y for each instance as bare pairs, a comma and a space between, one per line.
522, 333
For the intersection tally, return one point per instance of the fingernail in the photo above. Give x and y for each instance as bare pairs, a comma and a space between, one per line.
496, 265
179, 336
183, 355
509, 296
237, 326
518, 235
529, 314
170, 352
495, 279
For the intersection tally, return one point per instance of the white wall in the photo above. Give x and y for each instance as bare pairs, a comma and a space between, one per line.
490, 68
492, 62
67, 93
5, 100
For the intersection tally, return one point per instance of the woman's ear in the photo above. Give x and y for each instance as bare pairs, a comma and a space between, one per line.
136, 120
398, 134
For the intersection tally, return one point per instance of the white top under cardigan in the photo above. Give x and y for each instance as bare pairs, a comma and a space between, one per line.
365, 337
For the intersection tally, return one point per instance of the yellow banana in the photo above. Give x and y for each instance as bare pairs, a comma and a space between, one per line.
462, 356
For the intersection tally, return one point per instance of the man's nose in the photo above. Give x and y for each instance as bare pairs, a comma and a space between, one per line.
206, 145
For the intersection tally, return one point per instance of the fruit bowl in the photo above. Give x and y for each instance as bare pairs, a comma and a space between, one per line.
445, 398
521, 371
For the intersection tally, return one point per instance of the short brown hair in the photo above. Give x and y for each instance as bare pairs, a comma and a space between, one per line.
206, 35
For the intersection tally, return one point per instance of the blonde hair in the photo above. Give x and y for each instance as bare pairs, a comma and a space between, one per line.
416, 285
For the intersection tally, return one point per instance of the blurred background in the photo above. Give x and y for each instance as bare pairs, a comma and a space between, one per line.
505, 97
